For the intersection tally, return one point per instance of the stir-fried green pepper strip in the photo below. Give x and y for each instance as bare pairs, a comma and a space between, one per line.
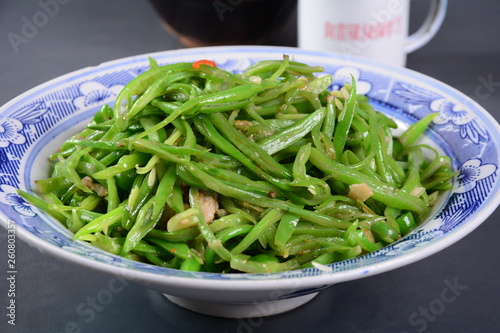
385, 194
285, 230
293, 133
253, 198
137, 86
212, 241
249, 148
149, 214
415, 131
265, 223
102, 223
345, 119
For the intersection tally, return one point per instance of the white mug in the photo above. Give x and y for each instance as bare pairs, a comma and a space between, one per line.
374, 29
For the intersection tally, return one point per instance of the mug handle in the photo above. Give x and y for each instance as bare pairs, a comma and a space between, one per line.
429, 28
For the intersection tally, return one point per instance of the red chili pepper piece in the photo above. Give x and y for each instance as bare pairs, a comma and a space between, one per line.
197, 64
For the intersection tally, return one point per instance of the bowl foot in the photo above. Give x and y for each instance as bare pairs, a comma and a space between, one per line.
241, 310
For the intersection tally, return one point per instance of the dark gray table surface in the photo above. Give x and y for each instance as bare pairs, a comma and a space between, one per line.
51, 294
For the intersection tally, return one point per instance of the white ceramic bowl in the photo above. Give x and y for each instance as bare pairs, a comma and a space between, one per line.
33, 125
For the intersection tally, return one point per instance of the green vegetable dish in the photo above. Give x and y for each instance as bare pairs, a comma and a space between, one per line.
196, 168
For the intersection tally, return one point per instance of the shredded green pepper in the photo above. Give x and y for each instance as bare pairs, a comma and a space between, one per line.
200, 169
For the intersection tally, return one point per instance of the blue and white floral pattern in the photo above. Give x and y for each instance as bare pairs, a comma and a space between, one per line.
343, 75
11, 128
96, 94
235, 65
9, 196
472, 172
457, 115
462, 130
450, 112
9, 132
